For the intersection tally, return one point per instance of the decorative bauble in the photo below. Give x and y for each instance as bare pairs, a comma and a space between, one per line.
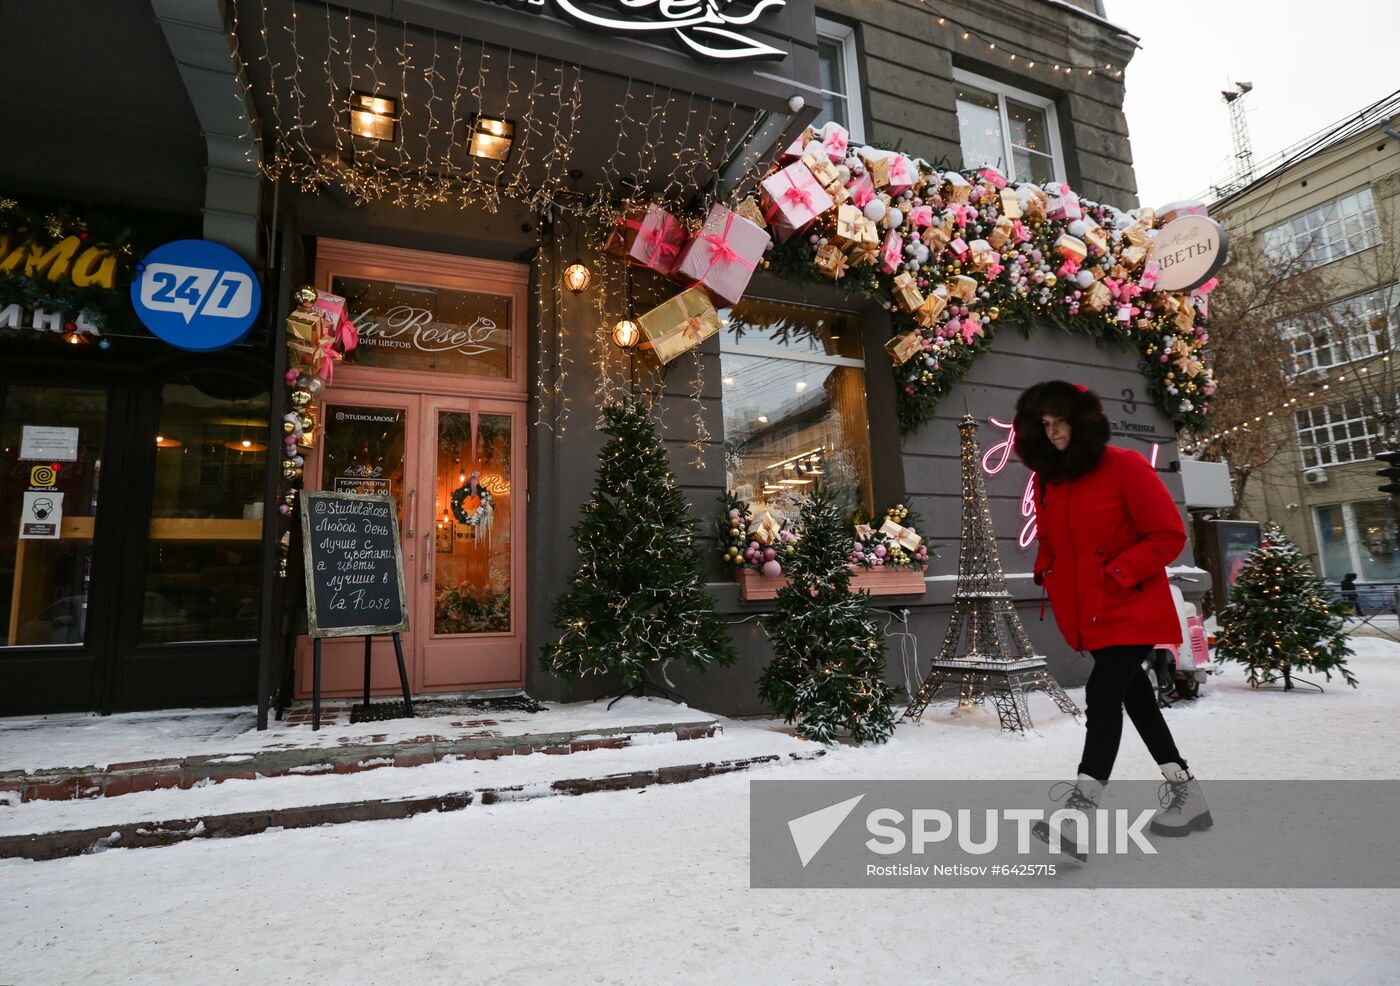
770, 553
843, 173
289, 426
875, 210
880, 551
291, 377
301, 399
791, 551
299, 461
307, 423
284, 509
893, 218
772, 569
1084, 278
1050, 280
289, 440
1078, 228
315, 385
305, 296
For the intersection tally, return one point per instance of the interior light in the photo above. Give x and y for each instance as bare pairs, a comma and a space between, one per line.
490, 138
373, 116
246, 445
163, 442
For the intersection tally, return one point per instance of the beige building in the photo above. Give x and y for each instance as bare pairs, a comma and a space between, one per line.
1331, 207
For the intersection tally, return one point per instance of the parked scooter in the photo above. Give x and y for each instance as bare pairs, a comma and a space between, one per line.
1179, 671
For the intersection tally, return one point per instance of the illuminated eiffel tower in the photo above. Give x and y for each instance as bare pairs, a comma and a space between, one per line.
997, 660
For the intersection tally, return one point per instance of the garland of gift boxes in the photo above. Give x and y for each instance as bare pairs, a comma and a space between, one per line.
949, 253
319, 334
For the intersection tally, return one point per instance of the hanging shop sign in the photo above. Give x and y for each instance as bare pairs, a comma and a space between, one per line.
701, 27
1189, 251
196, 295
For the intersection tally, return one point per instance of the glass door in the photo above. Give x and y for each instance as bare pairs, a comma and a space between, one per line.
367, 442
52, 440
470, 570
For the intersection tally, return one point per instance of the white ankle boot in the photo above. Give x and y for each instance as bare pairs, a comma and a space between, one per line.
1183, 805
1084, 795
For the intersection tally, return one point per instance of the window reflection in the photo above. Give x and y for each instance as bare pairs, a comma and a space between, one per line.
794, 404
204, 568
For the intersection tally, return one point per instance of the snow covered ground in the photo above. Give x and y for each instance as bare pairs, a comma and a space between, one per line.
652, 886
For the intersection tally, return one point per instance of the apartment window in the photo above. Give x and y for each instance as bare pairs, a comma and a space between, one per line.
1334, 434
1344, 226
840, 78
1358, 537
793, 384
1353, 328
1008, 129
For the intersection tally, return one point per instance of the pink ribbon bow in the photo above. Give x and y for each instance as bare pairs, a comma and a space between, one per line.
899, 170
798, 196
720, 251
1150, 272
836, 142
659, 246
1069, 268
921, 215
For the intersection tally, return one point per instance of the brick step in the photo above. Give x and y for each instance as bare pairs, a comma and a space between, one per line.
151, 834
69, 783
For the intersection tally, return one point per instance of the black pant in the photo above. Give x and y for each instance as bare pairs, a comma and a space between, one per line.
1118, 682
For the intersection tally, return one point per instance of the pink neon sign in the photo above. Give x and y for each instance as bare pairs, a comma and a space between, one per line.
998, 457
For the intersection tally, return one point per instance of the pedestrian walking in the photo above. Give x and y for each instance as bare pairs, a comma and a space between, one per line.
1349, 594
1108, 528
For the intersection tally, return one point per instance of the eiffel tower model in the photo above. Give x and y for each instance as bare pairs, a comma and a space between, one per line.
997, 661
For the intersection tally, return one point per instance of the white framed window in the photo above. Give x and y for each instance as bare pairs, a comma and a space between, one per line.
1009, 129
793, 393
1334, 434
1354, 328
1346, 225
840, 78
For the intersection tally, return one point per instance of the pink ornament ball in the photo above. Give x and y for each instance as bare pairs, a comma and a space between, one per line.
734, 514
291, 377
879, 550
772, 569
879, 561
769, 554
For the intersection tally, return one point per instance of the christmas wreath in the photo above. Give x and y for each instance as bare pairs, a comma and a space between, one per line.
471, 502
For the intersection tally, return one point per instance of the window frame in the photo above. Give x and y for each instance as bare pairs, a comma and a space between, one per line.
1284, 248
1368, 436
1295, 328
845, 36
1003, 91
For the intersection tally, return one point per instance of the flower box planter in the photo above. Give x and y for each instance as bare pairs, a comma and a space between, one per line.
755, 587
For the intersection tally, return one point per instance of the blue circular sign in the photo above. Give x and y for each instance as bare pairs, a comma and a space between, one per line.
196, 295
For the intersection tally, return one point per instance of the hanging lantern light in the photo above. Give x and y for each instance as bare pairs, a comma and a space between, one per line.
626, 334
577, 277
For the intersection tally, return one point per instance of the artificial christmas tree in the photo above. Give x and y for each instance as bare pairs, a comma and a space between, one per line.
1281, 618
828, 668
638, 595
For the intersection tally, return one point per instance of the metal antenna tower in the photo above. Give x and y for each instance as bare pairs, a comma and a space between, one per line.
1239, 132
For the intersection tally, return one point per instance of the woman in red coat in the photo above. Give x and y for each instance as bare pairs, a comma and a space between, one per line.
1108, 528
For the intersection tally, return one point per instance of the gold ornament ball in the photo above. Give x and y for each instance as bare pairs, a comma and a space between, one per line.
994, 313
301, 399
1051, 280
288, 427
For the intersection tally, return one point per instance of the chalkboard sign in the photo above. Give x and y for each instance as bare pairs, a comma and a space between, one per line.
354, 566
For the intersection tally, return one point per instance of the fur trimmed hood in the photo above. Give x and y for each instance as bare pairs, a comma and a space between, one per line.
1081, 408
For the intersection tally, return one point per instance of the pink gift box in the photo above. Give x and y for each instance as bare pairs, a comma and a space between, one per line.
796, 148
902, 175
862, 190
1064, 206
892, 253
648, 237
959, 248
921, 216
722, 256
997, 179
337, 324
837, 141
793, 199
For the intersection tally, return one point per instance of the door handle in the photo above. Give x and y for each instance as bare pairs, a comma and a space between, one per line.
412, 509
427, 555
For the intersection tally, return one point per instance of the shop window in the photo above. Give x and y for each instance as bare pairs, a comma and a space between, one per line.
793, 381
204, 570
1358, 327
1358, 537
1333, 434
1346, 225
1008, 129
840, 78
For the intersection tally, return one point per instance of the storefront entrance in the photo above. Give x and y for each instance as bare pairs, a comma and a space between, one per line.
430, 411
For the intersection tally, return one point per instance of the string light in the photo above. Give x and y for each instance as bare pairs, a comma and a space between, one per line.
1024, 58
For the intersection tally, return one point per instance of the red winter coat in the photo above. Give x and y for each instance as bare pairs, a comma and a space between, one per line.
1105, 541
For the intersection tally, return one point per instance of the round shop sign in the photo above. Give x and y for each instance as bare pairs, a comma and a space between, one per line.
196, 295
1188, 252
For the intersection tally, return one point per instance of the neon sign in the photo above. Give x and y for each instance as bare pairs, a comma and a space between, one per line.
996, 458
701, 26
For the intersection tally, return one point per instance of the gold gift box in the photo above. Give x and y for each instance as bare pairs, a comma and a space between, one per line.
864, 254
1186, 318
819, 163
936, 238
831, 261
305, 325
904, 347
853, 228
1097, 296
1071, 247
1095, 238
1035, 205
679, 324
1137, 236
963, 287
750, 210
1133, 256
1001, 233
905, 537
983, 256
907, 293
957, 193
1010, 204
928, 312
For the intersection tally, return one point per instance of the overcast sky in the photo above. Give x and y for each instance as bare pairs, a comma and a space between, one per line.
1311, 64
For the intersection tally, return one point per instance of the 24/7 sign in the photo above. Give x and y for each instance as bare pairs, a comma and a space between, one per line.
196, 295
